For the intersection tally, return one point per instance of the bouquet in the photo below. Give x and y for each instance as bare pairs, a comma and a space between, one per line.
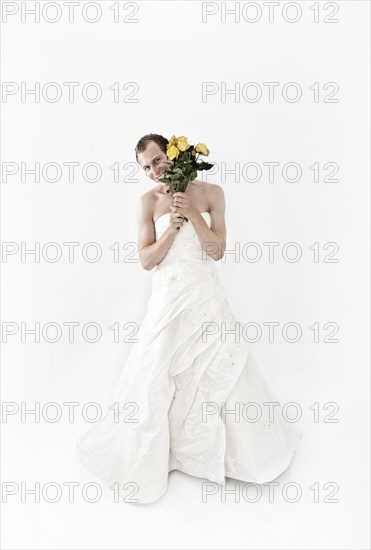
185, 164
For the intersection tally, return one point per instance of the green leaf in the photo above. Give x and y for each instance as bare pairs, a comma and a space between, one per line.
204, 165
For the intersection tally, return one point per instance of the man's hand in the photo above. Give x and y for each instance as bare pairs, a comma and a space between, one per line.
184, 206
176, 220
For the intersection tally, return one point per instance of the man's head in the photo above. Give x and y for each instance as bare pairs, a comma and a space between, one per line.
150, 153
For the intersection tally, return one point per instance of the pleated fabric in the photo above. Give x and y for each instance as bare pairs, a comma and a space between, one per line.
188, 398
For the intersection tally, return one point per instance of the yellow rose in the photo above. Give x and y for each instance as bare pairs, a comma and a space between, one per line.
201, 148
182, 143
193, 152
172, 152
172, 141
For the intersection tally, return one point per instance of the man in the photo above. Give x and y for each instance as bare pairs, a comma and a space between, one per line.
199, 197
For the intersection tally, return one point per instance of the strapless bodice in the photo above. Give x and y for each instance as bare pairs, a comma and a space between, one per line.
186, 243
162, 222
185, 256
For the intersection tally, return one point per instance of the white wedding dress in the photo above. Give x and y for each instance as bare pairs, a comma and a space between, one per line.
179, 385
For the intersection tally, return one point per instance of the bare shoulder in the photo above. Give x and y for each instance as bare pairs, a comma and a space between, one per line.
145, 206
215, 194
147, 197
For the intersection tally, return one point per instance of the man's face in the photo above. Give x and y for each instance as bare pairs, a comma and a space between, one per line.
152, 161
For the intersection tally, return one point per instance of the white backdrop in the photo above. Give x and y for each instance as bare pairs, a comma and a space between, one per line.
155, 68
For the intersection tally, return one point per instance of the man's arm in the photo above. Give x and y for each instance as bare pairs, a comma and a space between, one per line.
151, 252
213, 239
